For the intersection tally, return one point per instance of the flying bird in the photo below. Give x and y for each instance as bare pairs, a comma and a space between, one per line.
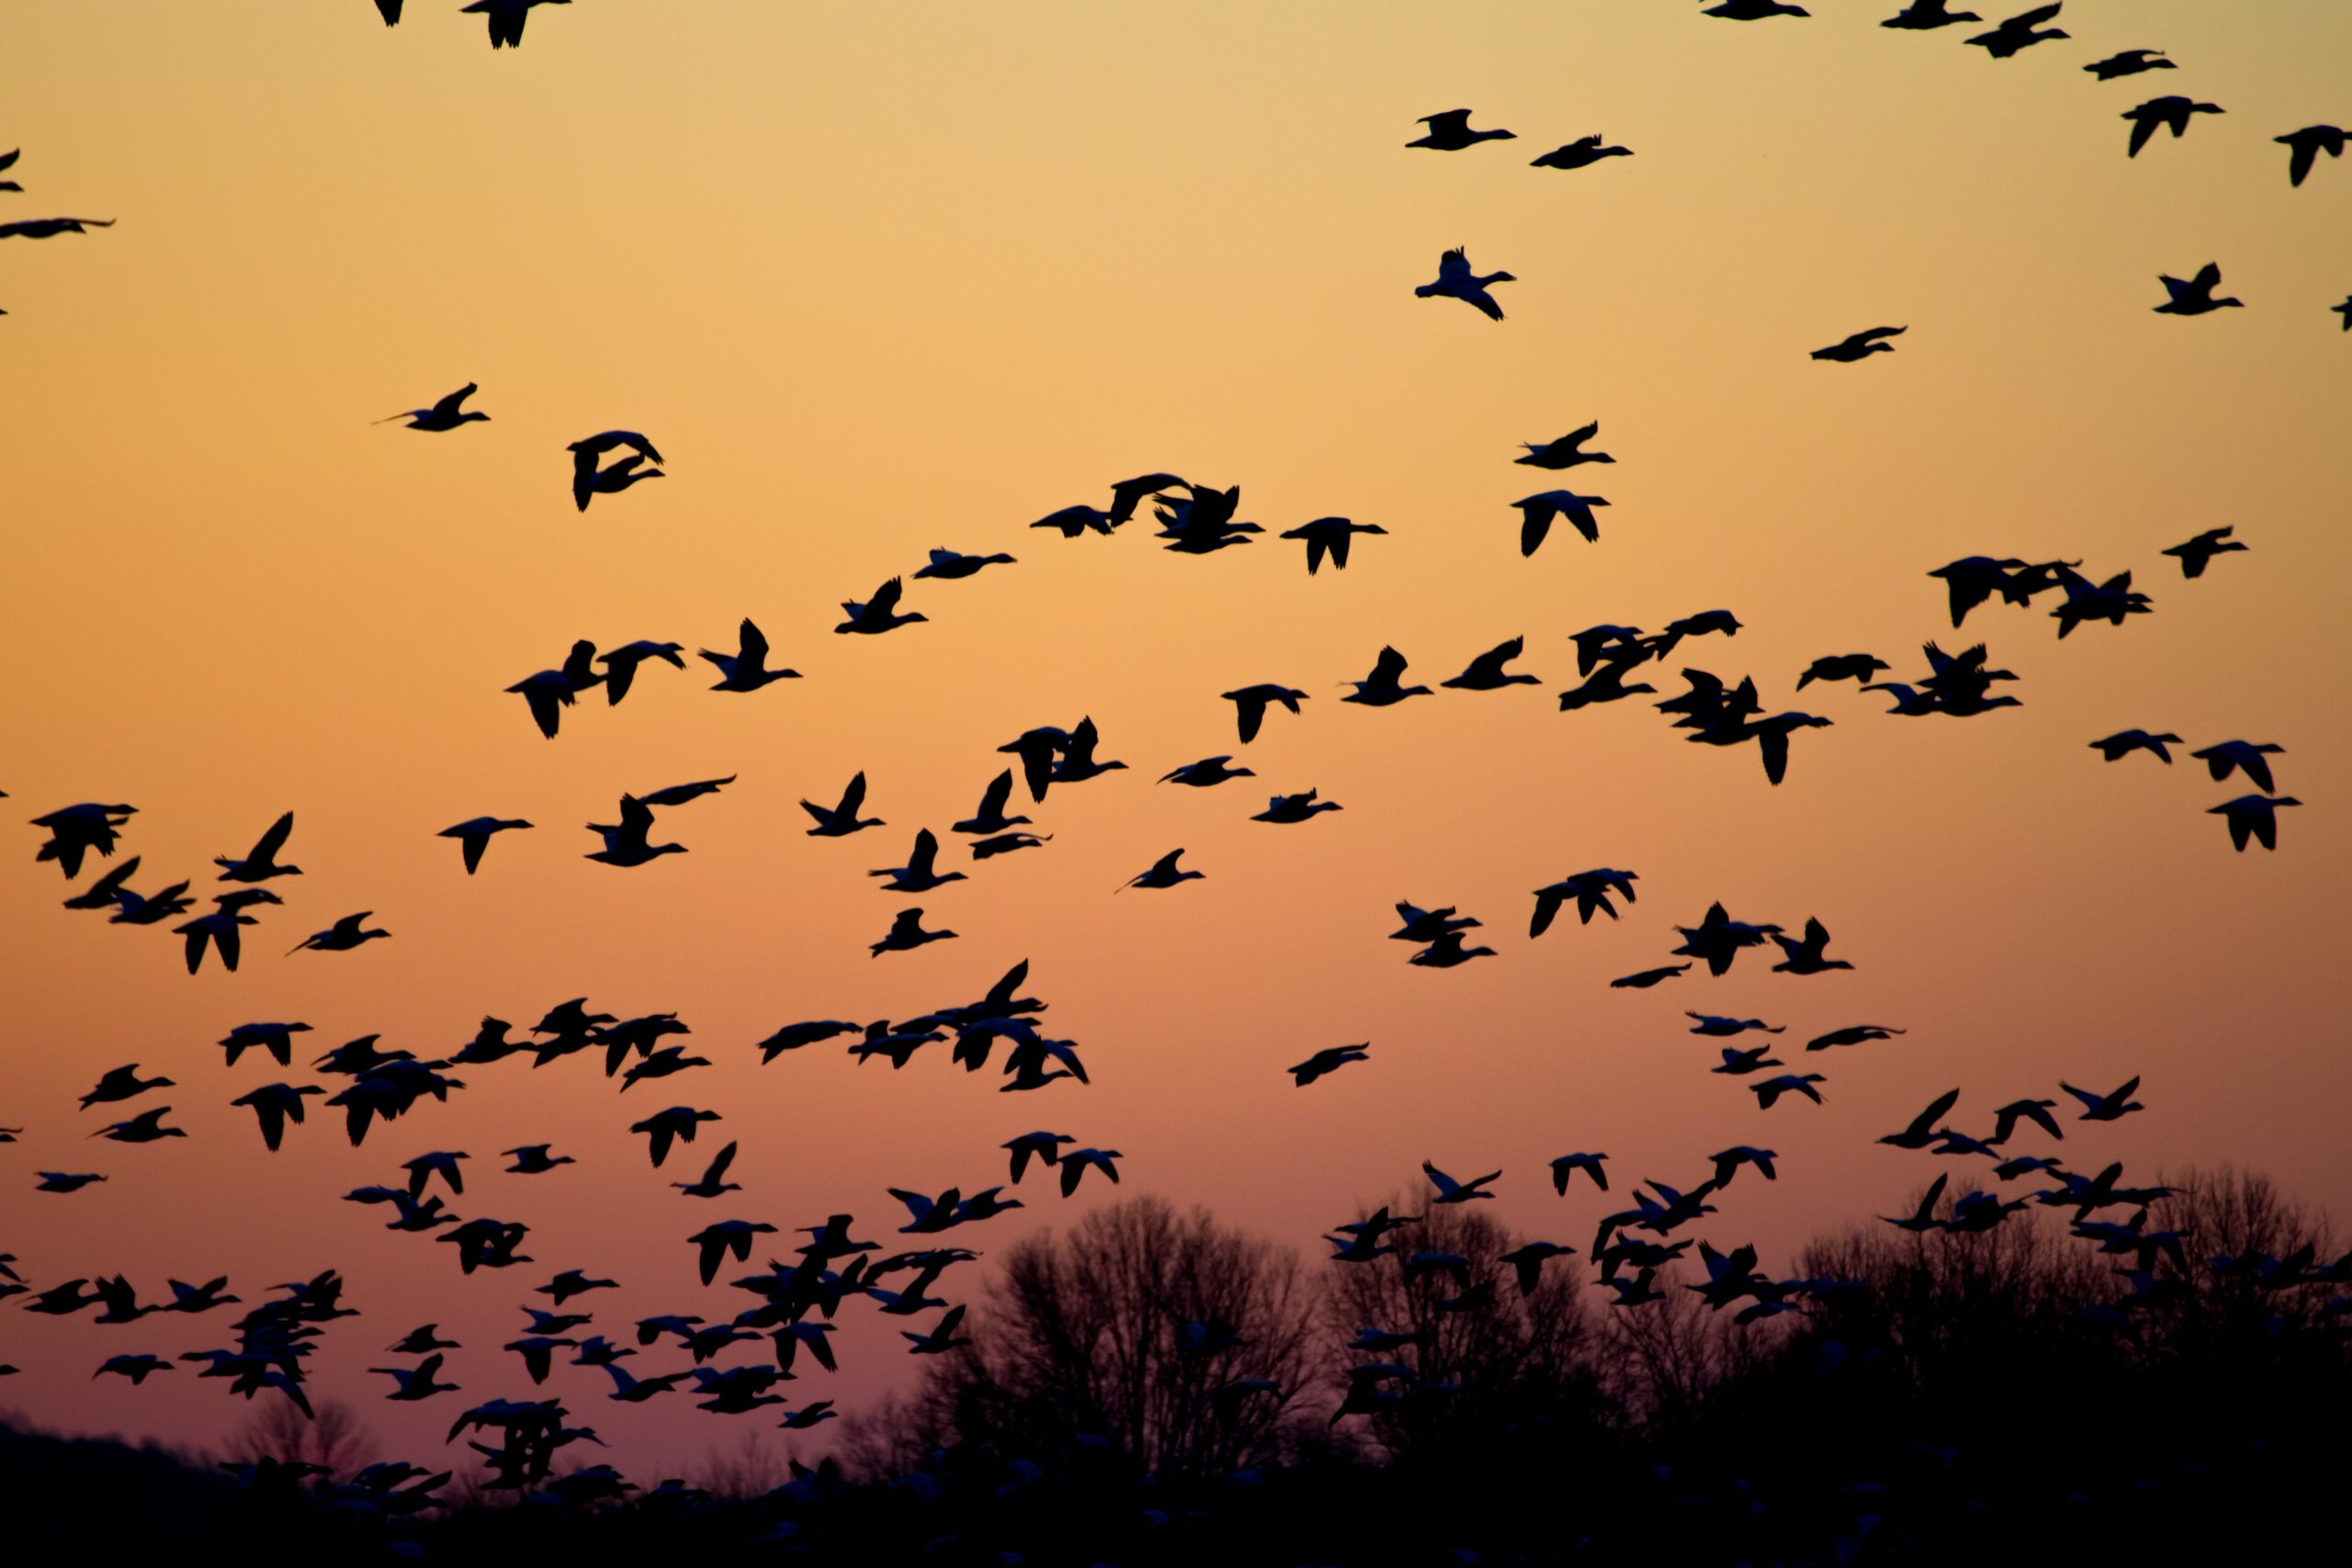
2195, 554
620, 665
2020, 31
1330, 1059
443, 415
474, 834
2130, 62
627, 842
746, 669
1161, 873
2123, 742
951, 566
506, 18
1536, 511
1451, 133
1455, 280
879, 614
260, 863
1860, 345
1251, 703
2171, 112
2244, 757
2253, 816
50, 228
341, 937
1584, 151
840, 820
1329, 535
1925, 15
2304, 146
2195, 298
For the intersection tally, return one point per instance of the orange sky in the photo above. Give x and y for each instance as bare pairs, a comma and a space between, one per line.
879, 279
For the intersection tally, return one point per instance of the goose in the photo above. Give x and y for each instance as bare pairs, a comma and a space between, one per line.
341, 937
1162, 874
1447, 953
416, 1382
1286, 808
2253, 816
661, 1064
950, 565
420, 1341
1455, 280
474, 834
681, 795
1971, 579
2195, 554
2123, 742
724, 1239
591, 482
746, 669
1329, 535
260, 863
712, 1182
8, 162
879, 614
135, 1367
75, 829
2242, 757
1856, 667
63, 1181
278, 1039
2195, 298
1536, 512
2130, 62
808, 1415
1448, 1190
919, 874
1044, 1147
144, 1128
1566, 1166
942, 1336
2170, 112
1078, 762
549, 691
1383, 687
532, 1160
1738, 1063
1752, 11
274, 1105
1719, 939
2304, 146
589, 450
1805, 957
1925, 15
1450, 133
991, 819
1643, 980
1590, 890
1206, 773
1076, 1163
1921, 1130
1858, 347
1424, 926
792, 1036
1728, 1161
442, 415
122, 1083
2005, 1119
1072, 521
620, 664
506, 18
625, 842
678, 1123
1717, 1027
1251, 703
1606, 684
1562, 452
2020, 31
1583, 152
2112, 1106
1330, 1059
1853, 1034
907, 933
1923, 1218
1768, 1093
1486, 672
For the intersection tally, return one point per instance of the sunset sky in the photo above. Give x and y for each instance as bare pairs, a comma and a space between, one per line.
879, 278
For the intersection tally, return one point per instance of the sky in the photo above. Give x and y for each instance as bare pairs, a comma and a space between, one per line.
879, 279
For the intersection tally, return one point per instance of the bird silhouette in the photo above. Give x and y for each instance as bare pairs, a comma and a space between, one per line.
506, 18
2194, 298
2112, 1106
2253, 816
1455, 280
625, 842
588, 481
1856, 667
1204, 774
2241, 756
2123, 742
949, 566
50, 228
2171, 113
2304, 146
746, 669
474, 834
841, 821
1329, 535
991, 817
1451, 133
1251, 703
1583, 152
274, 1105
1852, 1034
1753, 10
1805, 957
879, 614
1925, 15
549, 692
1536, 511
919, 874
1300, 808
443, 415
1445, 951
260, 863
907, 933
712, 1182
1162, 872
2130, 62
1921, 1130
2195, 554
1769, 1091
1860, 345
1329, 1060
1383, 688
2020, 31
341, 937
620, 665
1643, 980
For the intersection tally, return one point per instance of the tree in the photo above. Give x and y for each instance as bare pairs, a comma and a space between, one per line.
1177, 1345
335, 1439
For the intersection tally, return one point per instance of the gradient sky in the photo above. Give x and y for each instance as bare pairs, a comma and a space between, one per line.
880, 279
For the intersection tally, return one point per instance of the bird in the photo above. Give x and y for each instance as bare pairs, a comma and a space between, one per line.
2130, 62
1716, 1026
278, 1039
1925, 15
950, 565
219, 928
122, 1083
1451, 133
840, 820
1647, 977
1590, 890
2005, 1119
1536, 512
1486, 672
2020, 31
1921, 1130
1384, 687
443, 415
549, 691
2123, 742
260, 863
1562, 452
726, 1237
625, 842
1856, 667
1584, 151
1076, 1163
1078, 762
1329, 535
1286, 808
50, 228
1753, 10
2170, 112
1769, 1091
2110, 600
506, 18
2254, 816
1249, 703
941, 1337
1446, 952
678, 1123
1330, 1059
1203, 774
1728, 1161
918, 876
341, 937
2240, 756
1805, 957
1161, 873
2195, 298
879, 614
620, 664
63, 1181
416, 1382
1719, 939
135, 1367
713, 1183
1923, 1217
532, 1160
1852, 1034
1860, 345
588, 481
1428, 925
1072, 521
144, 1128
274, 1105
473, 836
1448, 1190
746, 669
2304, 146
1455, 280
907, 933
1566, 1166
2195, 554
991, 817
2112, 1106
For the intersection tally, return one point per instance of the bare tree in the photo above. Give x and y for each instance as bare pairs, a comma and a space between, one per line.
1177, 1344
335, 1439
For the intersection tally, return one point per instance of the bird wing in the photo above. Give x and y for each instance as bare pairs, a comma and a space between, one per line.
1453, 267
266, 849
447, 406
884, 602
754, 644
1386, 670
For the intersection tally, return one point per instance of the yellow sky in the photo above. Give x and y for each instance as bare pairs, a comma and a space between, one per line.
880, 279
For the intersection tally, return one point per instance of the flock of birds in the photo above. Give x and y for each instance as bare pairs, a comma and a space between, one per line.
791, 1304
